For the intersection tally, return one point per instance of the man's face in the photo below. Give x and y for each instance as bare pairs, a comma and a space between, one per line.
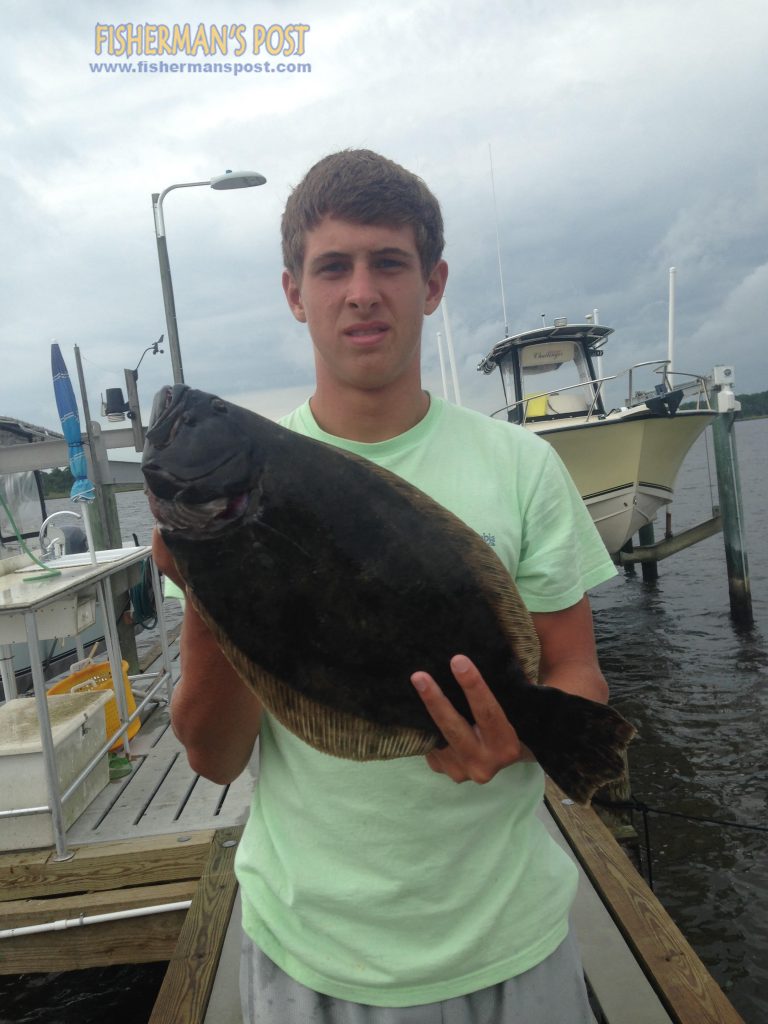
363, 295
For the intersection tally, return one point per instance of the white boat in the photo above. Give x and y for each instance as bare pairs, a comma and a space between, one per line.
624, 459
23, 514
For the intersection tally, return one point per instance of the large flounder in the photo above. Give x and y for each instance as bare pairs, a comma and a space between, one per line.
328, 581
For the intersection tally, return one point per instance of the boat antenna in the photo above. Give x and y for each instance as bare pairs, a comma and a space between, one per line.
498, 243
671, 323
451, 353
442, 364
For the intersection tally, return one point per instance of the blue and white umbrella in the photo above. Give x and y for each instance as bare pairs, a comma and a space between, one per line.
66, 403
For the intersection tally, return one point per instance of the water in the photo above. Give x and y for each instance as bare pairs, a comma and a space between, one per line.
696, 686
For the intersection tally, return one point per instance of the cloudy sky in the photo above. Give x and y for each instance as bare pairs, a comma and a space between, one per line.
625, 138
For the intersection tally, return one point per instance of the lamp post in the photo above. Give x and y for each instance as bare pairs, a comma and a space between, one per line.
222, 182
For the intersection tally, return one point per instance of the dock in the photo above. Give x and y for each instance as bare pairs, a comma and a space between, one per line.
143, 842
160, 843
640, 968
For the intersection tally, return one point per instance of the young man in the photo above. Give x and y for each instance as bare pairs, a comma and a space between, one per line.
384, 892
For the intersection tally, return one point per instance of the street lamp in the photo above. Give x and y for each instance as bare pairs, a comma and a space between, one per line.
222, 182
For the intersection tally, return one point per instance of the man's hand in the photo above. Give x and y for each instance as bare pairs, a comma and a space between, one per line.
474, 752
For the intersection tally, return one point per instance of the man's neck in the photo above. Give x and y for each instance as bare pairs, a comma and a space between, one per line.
368, 416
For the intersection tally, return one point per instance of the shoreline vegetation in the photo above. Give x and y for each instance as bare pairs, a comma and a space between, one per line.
753, 407
57, 483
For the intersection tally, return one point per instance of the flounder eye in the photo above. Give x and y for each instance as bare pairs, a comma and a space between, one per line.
218, 405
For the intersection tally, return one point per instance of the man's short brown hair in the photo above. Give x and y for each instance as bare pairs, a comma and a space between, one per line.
360, 186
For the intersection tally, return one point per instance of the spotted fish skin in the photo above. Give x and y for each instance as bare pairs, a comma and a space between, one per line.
328, 581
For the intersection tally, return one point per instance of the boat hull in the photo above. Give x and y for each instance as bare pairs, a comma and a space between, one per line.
625, 465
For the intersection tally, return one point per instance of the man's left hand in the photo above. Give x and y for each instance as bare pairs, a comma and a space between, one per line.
474, 752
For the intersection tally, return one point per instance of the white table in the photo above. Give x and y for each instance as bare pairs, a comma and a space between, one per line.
23, 604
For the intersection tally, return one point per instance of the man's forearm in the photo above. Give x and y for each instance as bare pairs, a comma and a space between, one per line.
568, 655
579, 677
214, 714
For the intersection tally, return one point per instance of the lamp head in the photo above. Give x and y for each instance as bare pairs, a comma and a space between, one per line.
237, 179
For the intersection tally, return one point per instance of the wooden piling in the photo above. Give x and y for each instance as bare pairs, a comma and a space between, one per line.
646, 538
106, 523
731, 512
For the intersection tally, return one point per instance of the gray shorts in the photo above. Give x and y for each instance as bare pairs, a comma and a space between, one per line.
553, 992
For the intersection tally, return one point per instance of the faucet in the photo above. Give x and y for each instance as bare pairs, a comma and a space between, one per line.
54, 549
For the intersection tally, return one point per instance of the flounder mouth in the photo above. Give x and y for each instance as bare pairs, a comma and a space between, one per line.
206, 518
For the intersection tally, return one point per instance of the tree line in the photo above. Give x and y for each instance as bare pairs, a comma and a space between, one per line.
57, 483
754, 405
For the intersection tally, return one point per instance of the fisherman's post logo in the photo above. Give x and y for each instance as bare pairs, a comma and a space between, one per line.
129, 40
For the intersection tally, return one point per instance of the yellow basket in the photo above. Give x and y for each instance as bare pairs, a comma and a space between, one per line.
99, 677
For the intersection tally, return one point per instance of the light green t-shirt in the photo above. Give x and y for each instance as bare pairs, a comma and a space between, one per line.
383, 882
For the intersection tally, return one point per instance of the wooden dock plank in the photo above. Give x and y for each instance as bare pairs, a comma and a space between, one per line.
219, 805
163, 794
224, 1004
20, 913
117, 801
186, 989
170, 795
619, 985
138, 940
136, 795
97, 866
683, 984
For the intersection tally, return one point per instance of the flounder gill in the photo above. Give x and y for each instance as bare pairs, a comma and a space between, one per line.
328, 581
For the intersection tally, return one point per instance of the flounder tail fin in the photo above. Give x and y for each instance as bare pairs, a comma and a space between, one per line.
578, 742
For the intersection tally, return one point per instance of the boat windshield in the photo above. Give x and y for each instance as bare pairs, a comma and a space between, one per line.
556, 379
21, 497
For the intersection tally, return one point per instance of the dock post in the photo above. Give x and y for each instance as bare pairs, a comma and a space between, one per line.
650, 569
729, 491
107, 524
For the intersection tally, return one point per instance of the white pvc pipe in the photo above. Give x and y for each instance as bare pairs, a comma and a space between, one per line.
78, 922
89, 532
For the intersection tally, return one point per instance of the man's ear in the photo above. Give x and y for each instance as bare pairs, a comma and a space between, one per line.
435, 286
293, 294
